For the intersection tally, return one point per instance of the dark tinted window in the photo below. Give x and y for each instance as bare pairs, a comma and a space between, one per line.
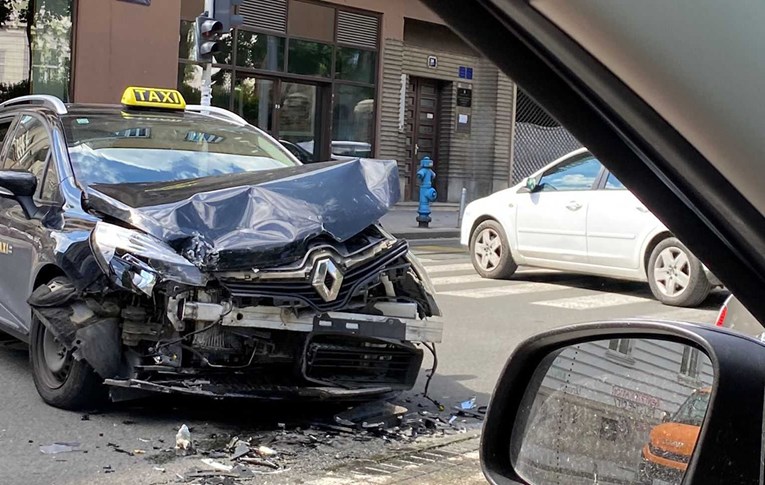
577, 174
5, 125
112, 148
309, 58
29, 147
49, 189
259, 51
355, 65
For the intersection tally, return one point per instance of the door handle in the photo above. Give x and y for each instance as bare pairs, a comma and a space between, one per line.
573, 206
641, 209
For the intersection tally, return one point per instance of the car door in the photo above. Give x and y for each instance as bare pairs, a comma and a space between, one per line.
28, 148
552, 219
617, 226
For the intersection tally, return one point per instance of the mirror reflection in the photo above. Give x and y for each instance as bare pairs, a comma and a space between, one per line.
613, 411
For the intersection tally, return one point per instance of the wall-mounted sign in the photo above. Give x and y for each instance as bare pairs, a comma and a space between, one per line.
465, 97
432, 62
465, 72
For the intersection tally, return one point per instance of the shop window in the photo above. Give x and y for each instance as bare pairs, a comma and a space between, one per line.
259, 51
354, 115
309, 58
253, 101
37, 40
190, 85
355, 65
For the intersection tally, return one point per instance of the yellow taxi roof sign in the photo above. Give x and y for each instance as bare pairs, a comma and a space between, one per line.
137, 97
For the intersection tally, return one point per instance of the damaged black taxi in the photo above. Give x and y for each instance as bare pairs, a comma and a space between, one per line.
152, 246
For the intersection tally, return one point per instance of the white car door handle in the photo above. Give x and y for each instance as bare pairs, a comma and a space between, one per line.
573, 206
641, 209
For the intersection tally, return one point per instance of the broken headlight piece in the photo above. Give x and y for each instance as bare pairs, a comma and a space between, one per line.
138, 261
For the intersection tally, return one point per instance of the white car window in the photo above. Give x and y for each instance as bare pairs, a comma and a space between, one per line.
579, 174
613, 183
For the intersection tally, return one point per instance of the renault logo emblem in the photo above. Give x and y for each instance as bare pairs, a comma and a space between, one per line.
327, 279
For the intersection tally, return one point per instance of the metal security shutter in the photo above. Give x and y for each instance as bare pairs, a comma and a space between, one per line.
265, 15
357, 29
539, 138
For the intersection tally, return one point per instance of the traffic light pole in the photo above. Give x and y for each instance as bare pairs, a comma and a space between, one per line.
207, 74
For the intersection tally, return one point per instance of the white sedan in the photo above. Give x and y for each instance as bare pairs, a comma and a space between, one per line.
574, 215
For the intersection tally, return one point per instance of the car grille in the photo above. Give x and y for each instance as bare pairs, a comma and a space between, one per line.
304, 291
354, 361
668, 455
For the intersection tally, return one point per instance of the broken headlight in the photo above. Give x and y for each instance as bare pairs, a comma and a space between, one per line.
138, 260
421, 273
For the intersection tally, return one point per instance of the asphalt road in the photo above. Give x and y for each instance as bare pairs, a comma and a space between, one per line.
485, 321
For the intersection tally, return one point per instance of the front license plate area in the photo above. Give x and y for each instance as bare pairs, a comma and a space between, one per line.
391, 329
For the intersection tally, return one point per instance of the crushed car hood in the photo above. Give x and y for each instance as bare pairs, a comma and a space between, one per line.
254, 218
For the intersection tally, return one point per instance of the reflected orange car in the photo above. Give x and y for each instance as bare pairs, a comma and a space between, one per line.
670, 444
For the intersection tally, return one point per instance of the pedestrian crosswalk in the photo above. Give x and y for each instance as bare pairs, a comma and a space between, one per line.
453, 275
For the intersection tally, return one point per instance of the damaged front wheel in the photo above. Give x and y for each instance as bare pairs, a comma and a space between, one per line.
61, 380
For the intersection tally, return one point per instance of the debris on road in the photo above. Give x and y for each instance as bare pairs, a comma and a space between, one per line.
183, 439
60, 447
217, 466
377, 414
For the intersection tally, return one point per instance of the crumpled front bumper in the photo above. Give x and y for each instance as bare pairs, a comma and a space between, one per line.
123, 389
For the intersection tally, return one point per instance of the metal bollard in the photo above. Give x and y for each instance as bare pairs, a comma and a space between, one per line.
463, 203
425, 176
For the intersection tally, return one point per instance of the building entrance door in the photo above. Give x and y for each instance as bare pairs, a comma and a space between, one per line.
422, 119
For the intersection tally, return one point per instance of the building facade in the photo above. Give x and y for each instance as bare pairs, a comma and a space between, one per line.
372, 78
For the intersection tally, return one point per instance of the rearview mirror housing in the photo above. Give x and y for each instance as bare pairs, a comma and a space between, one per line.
18, 183
733, 417
21, 186
531, 183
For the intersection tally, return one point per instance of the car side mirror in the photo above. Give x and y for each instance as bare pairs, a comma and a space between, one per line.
21, 186
531, 184
567, 410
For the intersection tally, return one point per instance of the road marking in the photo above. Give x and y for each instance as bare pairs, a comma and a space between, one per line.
592, 301
514, 289
461, 279
448, 268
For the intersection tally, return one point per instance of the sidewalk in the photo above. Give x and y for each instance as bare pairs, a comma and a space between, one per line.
401, 221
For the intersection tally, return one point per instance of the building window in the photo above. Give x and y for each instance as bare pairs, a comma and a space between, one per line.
353, 120
355, 65
37, 39
621, 346
309, 58
689, 365
293, 82
190, 84
259, 51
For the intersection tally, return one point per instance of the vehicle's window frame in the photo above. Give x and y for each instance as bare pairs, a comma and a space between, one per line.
583, 156
11, 130
604, 181
56, 196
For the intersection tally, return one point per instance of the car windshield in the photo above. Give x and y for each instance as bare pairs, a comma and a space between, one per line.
693, 410
121, 147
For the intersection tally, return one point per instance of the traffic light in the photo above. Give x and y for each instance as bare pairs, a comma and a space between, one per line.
208, 32
223, 11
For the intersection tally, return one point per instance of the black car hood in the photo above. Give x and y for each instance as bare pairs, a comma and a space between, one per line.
254, 218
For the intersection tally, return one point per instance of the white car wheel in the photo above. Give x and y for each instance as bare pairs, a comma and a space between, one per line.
675, 275
490, 252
